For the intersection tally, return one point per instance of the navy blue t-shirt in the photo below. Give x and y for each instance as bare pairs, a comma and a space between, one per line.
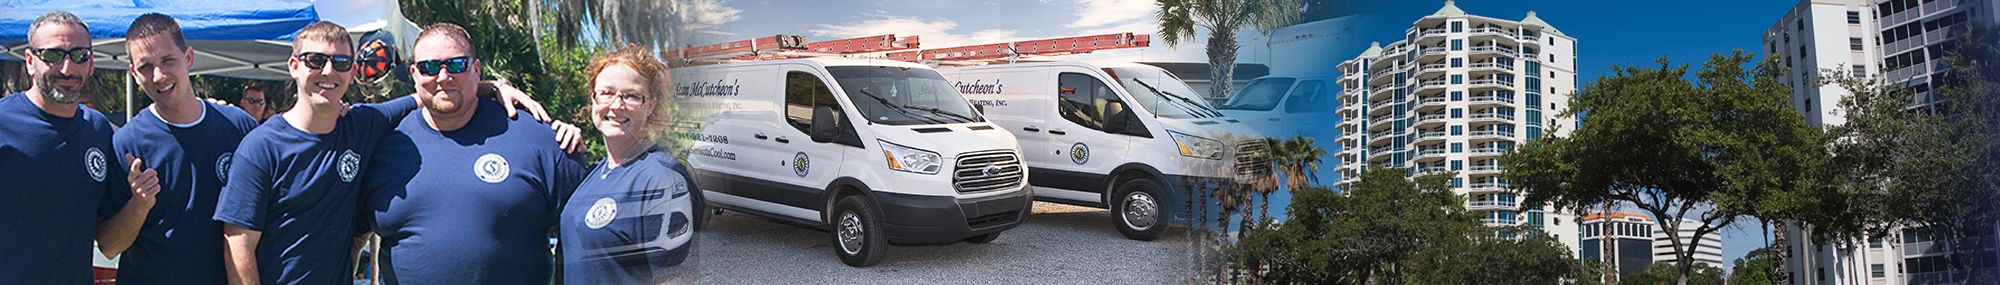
469, 206
302, 191
180, 243
628, 224
55, 174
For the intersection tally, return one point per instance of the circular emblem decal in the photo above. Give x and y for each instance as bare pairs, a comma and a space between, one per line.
222, 166
990, 171
93, 162
490, 168
601, 213
801, 164
1079, 153
350, 165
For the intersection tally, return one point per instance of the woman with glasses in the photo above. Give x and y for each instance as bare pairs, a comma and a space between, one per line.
631, 221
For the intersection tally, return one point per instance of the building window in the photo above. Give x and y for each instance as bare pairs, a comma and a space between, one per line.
1456, 165
1457, 79
1457, 27
1876, 270
1457, 62
1457, 130
1860, 70
1854, 44
1457, 182
1457, 45
1809, 105
1853, 17
1800, 23
1457, 95
1457, 113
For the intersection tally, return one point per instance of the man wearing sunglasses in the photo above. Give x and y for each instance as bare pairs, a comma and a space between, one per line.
189, 142
289, 209
253, 102
57, 163
476, 194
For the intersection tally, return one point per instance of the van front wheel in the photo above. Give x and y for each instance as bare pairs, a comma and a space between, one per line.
857, 236
1136, 205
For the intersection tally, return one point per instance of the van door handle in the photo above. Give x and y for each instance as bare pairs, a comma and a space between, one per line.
760, 136
1030, 129
783, 140
1058, 132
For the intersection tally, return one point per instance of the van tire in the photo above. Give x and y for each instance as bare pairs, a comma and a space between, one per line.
982, 239
854, 217
1145, 224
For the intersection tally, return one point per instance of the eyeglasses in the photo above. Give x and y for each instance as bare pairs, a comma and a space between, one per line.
56, 55
314, 60
453, 65
252, 100
630, 99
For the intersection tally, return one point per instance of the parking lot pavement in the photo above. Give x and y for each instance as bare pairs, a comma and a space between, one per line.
1059, 244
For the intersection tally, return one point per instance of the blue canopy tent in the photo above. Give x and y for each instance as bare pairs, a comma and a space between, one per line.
231, 38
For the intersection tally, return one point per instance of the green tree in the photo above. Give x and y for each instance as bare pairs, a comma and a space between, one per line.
1904, 161
552, 70
1753, 268
1707, 150
1663, 274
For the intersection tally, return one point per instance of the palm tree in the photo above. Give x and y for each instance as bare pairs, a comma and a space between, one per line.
1179, 18
1300, 164
1275, 153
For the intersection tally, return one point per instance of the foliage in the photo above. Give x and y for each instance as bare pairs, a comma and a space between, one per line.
1662, 274
1389, 229
1179, 20
549, 68
1752, 269
1721, 147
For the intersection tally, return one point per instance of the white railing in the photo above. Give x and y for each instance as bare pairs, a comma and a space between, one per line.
1492, 205
1493, 48
1429, 134
1493, 115
1484, 168
1426, 118
1492, 81
1492, 97
1492, 133
1493, 64
1488, 150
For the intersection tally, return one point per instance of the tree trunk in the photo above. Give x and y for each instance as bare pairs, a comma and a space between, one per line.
1221, 61
1780, 251
1243, 230
1608, 250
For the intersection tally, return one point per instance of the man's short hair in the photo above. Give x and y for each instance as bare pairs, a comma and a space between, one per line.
252, 87
450, 30
322, 31
156, 24
57, 17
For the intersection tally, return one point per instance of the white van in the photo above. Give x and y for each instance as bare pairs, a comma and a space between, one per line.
875, 151
1126, 137
1287, 106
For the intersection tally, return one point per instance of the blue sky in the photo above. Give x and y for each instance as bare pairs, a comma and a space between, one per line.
1608, 32
1626, 33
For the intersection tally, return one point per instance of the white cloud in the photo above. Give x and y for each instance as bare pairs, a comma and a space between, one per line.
1098, 13
937, 33
705, 15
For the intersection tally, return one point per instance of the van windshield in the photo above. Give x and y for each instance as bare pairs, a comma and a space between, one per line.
1163, 94
903, 96
1261, 95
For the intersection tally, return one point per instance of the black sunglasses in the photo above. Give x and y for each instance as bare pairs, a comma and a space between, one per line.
453, 65
56, 55
314, 60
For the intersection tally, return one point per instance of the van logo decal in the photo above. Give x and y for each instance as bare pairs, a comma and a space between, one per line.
801, 164
717, 88
1079, 153
977, 87
990, 171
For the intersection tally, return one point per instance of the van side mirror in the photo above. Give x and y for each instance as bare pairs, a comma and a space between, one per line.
825, 124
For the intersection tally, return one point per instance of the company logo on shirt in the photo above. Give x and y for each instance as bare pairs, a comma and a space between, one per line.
490, 168
222, 166
93, 162
349, 165
601, 213
1079, 153
801, 164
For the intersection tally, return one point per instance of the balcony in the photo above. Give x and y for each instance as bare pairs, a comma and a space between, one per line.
1439, 169
1431, 32
1491, 116
1492, 30
1427, 121
1486, 187
1491, 205
1493, 49
1491, 98
1496, 222
1491, 81
1491, 134
1509, 65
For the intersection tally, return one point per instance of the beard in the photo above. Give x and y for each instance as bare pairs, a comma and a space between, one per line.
443, 104
52, 92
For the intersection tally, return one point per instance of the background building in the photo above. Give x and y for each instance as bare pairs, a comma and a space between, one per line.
1904, 42
1453, 95
1708, 252
1630, 234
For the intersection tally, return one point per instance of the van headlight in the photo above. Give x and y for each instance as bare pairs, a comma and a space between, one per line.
1196, 147
910, 159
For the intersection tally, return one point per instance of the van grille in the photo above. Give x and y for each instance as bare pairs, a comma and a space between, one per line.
1253, 158
972, 173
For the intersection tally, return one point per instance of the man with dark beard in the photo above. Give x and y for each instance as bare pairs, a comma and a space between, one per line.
57, 178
